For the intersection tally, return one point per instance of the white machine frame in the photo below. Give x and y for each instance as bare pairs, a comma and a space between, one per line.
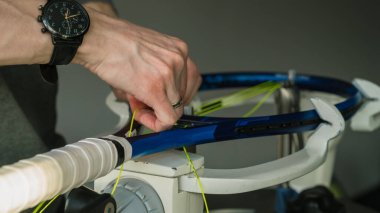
170, 175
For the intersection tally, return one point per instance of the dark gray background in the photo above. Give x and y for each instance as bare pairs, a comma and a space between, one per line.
332, 38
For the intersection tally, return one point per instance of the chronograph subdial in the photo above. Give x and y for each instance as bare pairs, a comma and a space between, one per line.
66, 25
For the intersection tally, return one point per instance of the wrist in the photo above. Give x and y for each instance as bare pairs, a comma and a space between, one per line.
24, 41
90, 51
42, 51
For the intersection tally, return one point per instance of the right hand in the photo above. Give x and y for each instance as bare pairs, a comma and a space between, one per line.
149, 69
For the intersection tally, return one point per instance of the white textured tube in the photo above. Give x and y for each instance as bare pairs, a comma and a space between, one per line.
28, 182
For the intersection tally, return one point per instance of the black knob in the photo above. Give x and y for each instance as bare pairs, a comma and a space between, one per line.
315, 200
39, 18
41, 7
44, 30
83, 199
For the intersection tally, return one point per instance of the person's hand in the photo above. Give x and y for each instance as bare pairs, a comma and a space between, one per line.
149, 69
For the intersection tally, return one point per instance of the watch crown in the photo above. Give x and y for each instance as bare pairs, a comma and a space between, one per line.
41, 7
39, 18
44, 30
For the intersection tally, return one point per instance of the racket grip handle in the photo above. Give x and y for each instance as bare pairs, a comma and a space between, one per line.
26, 183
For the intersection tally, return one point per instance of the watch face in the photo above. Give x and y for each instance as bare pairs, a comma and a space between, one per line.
65, 18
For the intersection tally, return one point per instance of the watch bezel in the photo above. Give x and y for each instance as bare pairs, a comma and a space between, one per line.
58, 34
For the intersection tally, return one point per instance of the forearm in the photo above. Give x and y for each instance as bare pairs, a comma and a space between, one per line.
21, 39
147, 68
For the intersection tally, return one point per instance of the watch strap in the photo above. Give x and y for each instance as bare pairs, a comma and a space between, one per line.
64, 53
49, 73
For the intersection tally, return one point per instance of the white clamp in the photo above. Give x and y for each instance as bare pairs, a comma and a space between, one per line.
367, 118
230, 181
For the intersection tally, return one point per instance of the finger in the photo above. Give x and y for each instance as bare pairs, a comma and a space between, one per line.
194, 80
183, 50
172, 92
175, 83
173, 67
183, 81
195, 90
145, 115
170, 74
155, 110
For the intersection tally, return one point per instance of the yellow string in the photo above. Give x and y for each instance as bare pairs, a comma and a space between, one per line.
117, 179
243, 92
122, 165
39, 206
45, 207
236, 98
230, 100
198, 179
262, 101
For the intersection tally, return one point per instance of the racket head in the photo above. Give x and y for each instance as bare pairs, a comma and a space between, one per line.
194, 130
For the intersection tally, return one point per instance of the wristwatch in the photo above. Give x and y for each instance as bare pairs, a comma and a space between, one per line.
67, 21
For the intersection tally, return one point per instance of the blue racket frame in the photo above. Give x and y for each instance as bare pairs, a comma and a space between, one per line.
203, 129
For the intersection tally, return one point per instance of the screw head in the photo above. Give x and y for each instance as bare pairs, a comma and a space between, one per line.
40, 7
39, 18
44, 30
